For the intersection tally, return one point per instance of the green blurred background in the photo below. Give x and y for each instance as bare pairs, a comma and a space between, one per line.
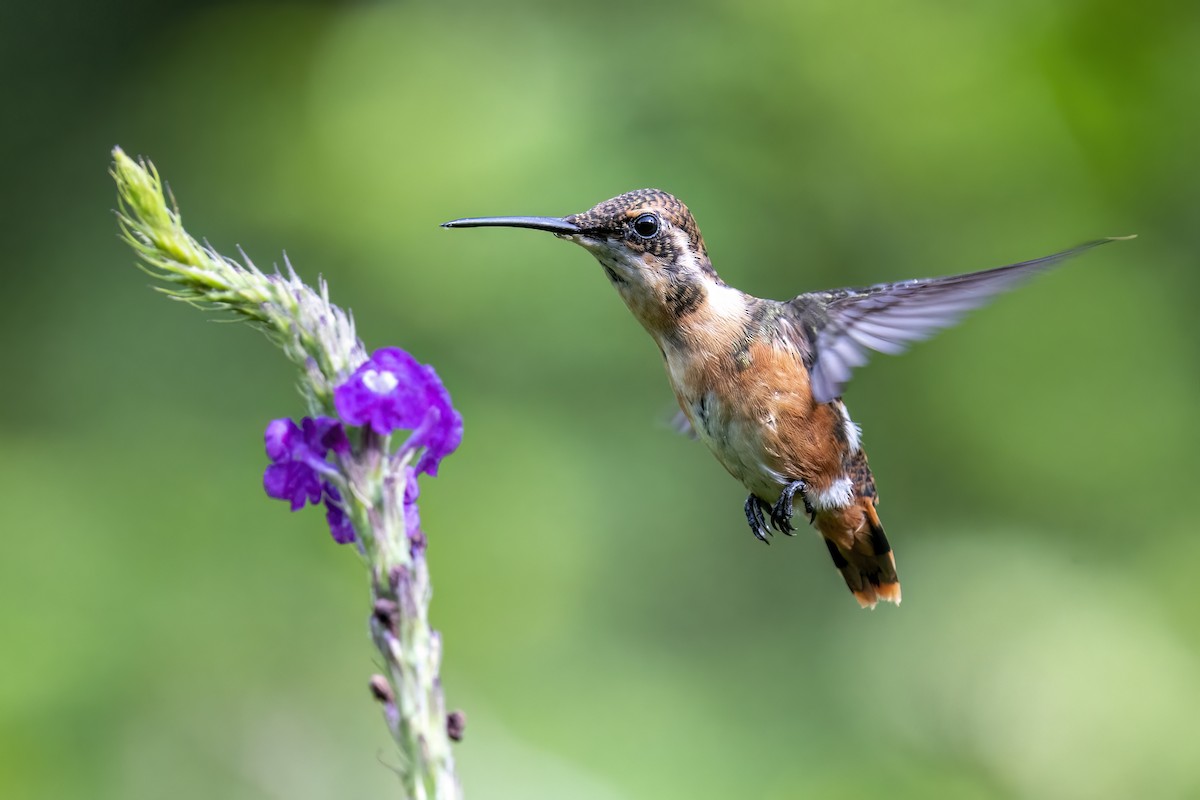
611, 628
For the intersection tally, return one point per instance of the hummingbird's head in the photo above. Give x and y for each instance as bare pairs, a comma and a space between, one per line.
641, 236
649, 246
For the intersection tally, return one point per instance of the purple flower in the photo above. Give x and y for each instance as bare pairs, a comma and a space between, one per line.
335, 515
298, 456
392, 390
298, 465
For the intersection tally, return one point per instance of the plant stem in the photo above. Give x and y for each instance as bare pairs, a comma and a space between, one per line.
320, 339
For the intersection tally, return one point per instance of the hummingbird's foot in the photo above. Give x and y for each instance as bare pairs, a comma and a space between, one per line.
781, 514
754, 516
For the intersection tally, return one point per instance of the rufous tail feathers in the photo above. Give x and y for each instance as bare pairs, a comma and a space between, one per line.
861, 552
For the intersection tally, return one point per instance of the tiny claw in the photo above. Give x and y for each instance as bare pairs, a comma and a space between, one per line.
754, 516
781, 514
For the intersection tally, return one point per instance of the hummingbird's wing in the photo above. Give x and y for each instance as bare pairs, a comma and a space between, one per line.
843, 324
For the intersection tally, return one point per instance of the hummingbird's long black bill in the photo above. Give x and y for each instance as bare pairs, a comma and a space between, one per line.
552, 224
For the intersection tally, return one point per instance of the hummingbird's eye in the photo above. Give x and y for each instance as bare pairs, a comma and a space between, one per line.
646, 226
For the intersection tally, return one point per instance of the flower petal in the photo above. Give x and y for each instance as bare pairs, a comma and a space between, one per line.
278, 436
294, 482
340, 526
392, 390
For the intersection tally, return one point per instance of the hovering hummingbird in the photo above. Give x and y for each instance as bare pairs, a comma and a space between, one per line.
760, 381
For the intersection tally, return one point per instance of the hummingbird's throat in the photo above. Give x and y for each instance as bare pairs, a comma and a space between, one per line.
664, 290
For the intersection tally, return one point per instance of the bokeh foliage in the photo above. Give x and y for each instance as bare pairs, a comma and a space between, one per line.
610, 626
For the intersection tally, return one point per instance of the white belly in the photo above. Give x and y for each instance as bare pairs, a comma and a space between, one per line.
737, 444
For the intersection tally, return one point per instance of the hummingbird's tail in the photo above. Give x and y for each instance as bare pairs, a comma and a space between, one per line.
857, 544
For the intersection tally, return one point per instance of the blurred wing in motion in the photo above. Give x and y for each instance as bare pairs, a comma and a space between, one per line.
681, 424
844, 324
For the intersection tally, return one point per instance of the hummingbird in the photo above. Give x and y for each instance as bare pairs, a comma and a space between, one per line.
760, 381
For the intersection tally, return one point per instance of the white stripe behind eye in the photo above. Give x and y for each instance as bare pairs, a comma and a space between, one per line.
686, 258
